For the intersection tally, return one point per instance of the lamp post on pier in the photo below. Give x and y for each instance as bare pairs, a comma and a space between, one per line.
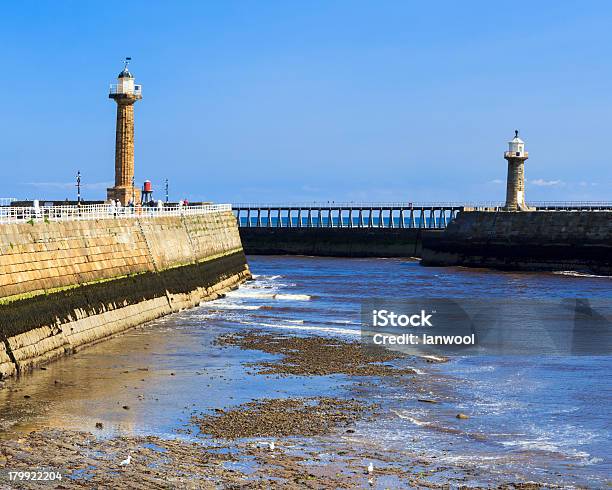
78, 186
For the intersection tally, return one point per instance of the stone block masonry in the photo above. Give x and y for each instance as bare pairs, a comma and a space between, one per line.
334, 242
64, 285
538, 240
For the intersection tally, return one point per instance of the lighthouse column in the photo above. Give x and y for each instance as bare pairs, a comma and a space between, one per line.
515, 187
125, 93
124, 144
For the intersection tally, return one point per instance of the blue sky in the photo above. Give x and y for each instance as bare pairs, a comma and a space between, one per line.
275, 101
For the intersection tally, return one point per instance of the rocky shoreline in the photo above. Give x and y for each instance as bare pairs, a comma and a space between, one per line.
283, 417
288, 442
315, 356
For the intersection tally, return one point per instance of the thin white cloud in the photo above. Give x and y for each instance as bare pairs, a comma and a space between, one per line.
547, 183
496, 181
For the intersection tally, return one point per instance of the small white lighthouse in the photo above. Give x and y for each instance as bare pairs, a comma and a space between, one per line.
515, 189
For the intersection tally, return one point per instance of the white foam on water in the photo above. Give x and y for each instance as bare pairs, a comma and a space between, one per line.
579, 274
544, 444
345, 322
341, 331
410, 418
467, 459
495, 406
233, 306
241, 293
434, 358
475, 369
531, 445
593, 461
263, 276
293, 297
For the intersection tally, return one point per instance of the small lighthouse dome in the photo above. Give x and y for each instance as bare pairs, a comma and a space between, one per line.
516, 146
125, 74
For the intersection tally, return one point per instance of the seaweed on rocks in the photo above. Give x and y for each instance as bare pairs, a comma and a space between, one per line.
316, 356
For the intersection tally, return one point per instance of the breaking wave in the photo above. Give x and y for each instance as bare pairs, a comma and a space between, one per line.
340, 331
241, 293
579, 274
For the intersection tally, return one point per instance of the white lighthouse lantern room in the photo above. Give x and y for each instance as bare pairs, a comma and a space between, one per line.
516, 146
125, 82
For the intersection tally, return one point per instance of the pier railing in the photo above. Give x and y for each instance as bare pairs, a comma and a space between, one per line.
379, 215
329, 215
572, 205
6, 201
337, 215
12, 214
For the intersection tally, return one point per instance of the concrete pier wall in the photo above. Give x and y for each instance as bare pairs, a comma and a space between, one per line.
537, 240
64, 285
333, 242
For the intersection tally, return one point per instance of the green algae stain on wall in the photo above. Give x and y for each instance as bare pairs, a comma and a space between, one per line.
79, 282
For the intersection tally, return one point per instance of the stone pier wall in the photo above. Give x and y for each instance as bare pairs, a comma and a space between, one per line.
535, 240
66, 285
333, 242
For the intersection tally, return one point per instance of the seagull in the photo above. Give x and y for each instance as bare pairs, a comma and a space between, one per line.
272, 446
126, 461
370, 468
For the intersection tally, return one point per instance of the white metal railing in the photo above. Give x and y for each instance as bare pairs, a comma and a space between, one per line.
101, 211
418, 204
117, 88
6, 201
364, 204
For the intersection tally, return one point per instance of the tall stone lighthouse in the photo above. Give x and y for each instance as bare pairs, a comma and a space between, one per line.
125, 93
515, 187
